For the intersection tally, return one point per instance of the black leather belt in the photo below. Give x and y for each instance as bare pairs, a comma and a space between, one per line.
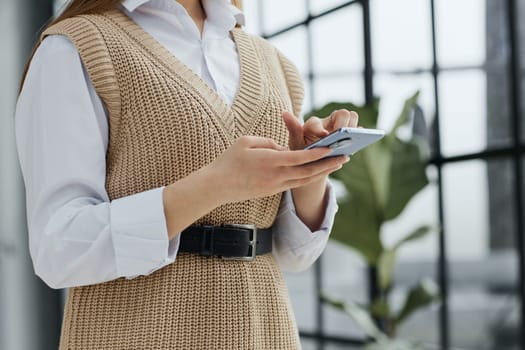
230, 242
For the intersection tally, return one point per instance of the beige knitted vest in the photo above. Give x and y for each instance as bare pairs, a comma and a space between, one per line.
166, 122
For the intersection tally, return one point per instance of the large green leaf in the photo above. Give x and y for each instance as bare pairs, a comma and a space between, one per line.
380, 309
418, 233
385, 268
360, 316
354, 227
425, 293
404, 117
378, 160
359, 178
407, 176
387, 259
358, 221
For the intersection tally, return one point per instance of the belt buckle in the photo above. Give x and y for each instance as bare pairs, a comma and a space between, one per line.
252, 244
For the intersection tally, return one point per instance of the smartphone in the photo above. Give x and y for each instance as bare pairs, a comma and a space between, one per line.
347, 141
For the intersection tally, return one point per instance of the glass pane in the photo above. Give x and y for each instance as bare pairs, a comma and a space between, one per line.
293, 44
308, 103
343, 278
253, 16
465, 191
318, 6
498, 84
309, 344
416, 260
463, 112
423, 325
58, 5
337, 40
340, 89
301, 287
424, 250
499, 121
522, 116
501, 207
401, 40
523, 179
521, 40
280, 14
395, 89
479, 228
461, 32
345, 275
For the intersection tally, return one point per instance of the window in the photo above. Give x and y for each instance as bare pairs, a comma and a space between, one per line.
464, 58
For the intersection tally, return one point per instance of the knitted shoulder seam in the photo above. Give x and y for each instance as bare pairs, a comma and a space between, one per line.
85, 33
294, 82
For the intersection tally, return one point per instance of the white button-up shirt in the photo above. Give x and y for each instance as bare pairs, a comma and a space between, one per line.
77, 235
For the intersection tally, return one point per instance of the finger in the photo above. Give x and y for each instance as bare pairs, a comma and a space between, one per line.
307, 180
354, 120
341, 118
316, 168
295, 128
314, 129
328, 122
293, 158
260, 142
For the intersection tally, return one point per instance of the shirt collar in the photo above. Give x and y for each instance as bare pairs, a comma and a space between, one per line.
219, 12
131, 5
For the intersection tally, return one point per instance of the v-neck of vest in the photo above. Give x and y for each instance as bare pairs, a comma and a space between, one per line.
237, 119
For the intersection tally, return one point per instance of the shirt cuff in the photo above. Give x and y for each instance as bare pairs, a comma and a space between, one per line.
295, 234
140, 234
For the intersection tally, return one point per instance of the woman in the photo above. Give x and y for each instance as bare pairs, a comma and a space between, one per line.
162, 166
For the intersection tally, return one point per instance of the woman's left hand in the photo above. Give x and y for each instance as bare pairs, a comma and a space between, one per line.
315, 128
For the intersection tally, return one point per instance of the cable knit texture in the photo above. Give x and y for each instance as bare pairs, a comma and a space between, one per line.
165, 122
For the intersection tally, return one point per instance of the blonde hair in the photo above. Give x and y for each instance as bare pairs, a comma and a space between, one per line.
237, 3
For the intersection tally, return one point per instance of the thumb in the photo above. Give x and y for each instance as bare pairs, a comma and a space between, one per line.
296, 130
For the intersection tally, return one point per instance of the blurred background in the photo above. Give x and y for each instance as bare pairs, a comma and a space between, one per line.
466, 57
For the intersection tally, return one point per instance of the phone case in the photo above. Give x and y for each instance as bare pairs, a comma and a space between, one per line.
347, 141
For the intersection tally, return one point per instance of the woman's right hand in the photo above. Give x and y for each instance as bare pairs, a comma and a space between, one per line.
256, 167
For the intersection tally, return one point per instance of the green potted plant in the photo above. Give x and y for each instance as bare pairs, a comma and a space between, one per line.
380, 181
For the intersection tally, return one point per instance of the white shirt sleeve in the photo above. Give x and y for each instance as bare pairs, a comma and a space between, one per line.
295, 246
77, 236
